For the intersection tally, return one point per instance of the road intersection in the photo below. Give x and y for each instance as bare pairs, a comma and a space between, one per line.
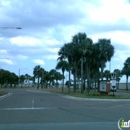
30, 110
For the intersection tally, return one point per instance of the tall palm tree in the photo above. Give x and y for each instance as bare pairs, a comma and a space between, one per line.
126, 71
66, 53
82, 51
118, 76
52, 73
107, 74
41, 74
78, 42
36, 73
63, 65
106, 52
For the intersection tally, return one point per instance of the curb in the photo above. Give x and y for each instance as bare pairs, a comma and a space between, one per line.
95, 99
6, 95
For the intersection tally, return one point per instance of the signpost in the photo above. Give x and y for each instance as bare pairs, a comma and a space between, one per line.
113, 77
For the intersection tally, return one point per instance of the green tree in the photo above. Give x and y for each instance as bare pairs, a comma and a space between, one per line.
36, 73
126, 71
66, 53
106, 52
63, 65
118, 76
107, 74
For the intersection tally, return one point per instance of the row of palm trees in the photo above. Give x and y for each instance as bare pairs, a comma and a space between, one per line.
85, 59
45, 78
82, 58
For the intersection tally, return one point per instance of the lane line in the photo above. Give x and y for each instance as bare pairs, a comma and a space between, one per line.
38, 91
35, 108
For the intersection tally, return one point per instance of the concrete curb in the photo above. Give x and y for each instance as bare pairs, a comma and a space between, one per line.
82, 99
95, 99
5, 96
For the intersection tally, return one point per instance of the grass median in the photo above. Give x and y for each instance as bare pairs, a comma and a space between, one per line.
3, 93
92, 94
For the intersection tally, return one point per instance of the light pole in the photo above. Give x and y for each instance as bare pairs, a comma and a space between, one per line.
10, 28
19, 74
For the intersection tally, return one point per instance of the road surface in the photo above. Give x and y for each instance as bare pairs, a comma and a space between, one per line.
31, 110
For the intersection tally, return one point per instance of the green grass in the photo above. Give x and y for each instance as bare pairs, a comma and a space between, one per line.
84, 95
2, 93
123, 90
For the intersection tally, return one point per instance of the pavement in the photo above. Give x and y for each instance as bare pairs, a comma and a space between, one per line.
31, 110
5, 96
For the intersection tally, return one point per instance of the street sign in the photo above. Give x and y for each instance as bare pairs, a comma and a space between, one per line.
103, 86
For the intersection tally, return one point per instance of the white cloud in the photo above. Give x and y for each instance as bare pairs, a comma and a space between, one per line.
7, 61
25, 41
52, 42
38, 61
22, 57
120, 37
3, 51
110, 11
51, 57
54, 50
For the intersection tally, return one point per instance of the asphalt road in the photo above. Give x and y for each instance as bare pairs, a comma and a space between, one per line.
29, 110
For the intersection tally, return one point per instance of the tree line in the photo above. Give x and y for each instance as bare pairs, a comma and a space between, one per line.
82, 58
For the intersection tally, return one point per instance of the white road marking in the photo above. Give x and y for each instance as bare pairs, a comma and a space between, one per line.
5, 96
33, 102
35, 108
38, 91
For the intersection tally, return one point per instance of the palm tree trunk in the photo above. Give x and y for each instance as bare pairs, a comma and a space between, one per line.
75, 73
69, 81
127, 82
102, 70
42, 81
38, 83
82, 74
63, 82
88, 76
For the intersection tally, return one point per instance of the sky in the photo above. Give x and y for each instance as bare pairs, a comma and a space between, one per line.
48, 24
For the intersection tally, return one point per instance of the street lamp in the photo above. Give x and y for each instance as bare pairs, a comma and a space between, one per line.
19, 74
10, 27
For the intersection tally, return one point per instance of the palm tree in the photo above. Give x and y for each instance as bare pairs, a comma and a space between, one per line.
107, 74
118, 76
47, 78
126, 71
36, 73
79, 43
82, 51
88, 56
58, 76
52, 73
63, 65
66, 53
106, 52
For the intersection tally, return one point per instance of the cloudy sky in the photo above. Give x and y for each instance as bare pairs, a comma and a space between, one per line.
48, 24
